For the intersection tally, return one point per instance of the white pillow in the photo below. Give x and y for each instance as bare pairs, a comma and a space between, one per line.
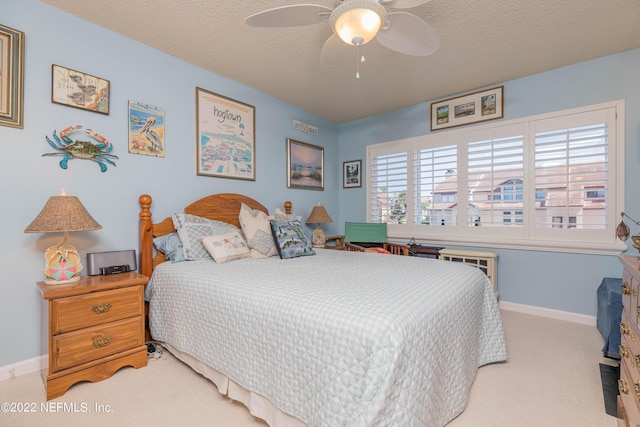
226, 247
257, 231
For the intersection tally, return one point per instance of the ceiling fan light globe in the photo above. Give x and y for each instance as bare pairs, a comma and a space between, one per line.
357, 22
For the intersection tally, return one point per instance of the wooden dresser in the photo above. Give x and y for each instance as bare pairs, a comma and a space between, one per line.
92, 328
629, 382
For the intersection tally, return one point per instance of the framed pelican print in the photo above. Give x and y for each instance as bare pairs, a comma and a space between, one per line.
225, 137
146, 129
11, 77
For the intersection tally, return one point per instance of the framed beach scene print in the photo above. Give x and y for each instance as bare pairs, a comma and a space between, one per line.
305, 165
226, 136
11, 77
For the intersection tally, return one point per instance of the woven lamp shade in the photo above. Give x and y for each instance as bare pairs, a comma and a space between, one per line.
318, 215
62, 214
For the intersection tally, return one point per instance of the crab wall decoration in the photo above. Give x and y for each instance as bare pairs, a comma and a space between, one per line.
69, 149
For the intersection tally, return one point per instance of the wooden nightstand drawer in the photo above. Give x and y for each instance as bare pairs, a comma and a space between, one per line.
72, 313
75, 348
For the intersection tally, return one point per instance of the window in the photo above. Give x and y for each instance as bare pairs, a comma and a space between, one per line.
545, 182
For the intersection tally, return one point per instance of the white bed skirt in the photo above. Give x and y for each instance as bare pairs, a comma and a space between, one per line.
259, 406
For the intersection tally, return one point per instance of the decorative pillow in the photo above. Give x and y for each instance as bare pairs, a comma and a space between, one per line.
171, 246
290, 239
283, 217
257, 231
227, 247
192, 229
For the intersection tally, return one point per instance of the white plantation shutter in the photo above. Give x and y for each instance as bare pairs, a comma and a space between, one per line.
571, 170
550, 182
495, 179
388, 190
435, 169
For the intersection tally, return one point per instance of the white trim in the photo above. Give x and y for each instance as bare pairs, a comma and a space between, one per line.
549, 313
22, 368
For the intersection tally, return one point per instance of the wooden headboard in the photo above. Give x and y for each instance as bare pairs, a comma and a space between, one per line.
220, 207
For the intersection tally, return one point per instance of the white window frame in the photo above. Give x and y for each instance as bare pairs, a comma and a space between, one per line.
527, 237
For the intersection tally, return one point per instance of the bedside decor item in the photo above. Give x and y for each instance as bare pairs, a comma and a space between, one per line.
97, 151
12, 81
146, 129
352, 174
75, 89
305, 165
472, 108
623, 232
62, 214
225, 137
318, 216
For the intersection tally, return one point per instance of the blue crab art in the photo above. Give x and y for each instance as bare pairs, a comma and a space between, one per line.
65, 146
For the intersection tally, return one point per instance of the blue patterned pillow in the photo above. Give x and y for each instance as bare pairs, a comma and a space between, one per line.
171, 246
290, 239
192, 229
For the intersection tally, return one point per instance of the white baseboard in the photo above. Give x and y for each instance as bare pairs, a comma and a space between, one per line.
22, 368
550, 313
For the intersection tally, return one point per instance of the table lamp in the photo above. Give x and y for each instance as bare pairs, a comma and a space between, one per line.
318, 216
62, 214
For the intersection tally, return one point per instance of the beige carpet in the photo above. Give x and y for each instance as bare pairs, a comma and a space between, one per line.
552, 379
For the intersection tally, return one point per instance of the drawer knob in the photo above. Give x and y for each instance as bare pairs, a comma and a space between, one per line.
624, 328
101, 308
622, 349
626, 289
622, 386
102, 342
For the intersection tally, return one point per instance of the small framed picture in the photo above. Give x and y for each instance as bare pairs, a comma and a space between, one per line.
305, 165
467, 109
75, 89
352, 174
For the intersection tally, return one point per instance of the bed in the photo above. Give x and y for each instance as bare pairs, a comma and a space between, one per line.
329, 338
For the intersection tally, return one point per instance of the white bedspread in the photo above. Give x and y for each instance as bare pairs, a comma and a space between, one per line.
340, 338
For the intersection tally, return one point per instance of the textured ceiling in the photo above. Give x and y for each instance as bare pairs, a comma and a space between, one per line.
482, 43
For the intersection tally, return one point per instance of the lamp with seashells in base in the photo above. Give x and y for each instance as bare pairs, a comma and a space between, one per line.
623, 232
62, 214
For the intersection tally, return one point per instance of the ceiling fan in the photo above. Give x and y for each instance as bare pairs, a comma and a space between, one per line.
355, 23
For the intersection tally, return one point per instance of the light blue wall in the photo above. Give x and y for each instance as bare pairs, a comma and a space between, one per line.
136, 73
565, 282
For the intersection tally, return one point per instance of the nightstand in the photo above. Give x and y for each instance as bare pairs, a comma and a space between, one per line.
92, 328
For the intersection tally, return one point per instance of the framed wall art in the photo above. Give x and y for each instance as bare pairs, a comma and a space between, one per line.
225, 136
305, 165
352, 174
472, 108
11, 77
75, 89
146, 129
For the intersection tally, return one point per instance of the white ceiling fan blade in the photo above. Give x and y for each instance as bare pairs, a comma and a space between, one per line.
408, 34
290, 16
335, 53
404, 4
